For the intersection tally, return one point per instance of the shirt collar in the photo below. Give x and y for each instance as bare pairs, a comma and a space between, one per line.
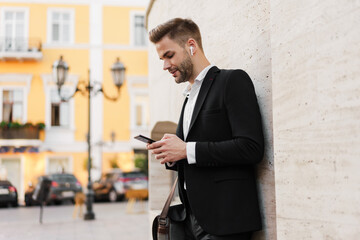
199, 79
203, 73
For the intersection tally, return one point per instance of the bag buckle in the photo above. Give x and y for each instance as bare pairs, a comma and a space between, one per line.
163, 221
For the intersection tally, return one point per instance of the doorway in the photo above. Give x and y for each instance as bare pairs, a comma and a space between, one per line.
11, 167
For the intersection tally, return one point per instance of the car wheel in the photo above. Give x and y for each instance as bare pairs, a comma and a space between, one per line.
112, 196
122, 197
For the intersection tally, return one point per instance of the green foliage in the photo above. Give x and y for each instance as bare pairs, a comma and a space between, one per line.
113, 162
141, 162
27, 125
3, 124
17, 125
40, 125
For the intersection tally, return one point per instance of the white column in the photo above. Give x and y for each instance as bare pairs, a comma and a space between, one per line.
96, 74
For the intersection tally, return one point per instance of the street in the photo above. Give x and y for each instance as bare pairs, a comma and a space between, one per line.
112, 222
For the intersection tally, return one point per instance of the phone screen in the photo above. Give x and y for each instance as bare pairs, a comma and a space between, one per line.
144, 139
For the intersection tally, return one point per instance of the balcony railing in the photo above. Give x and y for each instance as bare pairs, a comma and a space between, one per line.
20, 48
20, 133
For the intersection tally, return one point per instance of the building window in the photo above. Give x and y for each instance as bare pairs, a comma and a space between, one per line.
59, 111
59, 165
60, 26
139, 32
139, 115
141, 111
14, 29
13, 105
59, 116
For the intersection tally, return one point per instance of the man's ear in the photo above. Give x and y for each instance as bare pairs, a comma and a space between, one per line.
191, 43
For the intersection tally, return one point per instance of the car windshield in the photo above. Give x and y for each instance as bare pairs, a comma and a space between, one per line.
5, 183
111, 176
134, 175
63, 178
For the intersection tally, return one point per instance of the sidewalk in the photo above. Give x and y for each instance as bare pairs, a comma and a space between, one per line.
111, 223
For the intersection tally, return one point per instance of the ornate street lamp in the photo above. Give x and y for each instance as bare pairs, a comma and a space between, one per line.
60, 70
118, 73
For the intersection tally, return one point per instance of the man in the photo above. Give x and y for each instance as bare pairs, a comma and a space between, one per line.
218, 141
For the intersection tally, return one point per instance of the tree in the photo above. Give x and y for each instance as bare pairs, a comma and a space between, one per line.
141, 162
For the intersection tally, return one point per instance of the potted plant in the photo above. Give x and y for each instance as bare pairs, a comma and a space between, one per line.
16, 130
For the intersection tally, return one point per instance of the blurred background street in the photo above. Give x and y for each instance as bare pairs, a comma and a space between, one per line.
79, 80
111, 222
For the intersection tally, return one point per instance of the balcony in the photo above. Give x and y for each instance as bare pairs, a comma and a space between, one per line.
20, 49
14, 134
20, 133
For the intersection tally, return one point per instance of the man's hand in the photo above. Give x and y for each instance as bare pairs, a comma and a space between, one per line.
169, 149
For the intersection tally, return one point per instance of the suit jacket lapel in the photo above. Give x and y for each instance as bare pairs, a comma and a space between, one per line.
207, 82
179, 129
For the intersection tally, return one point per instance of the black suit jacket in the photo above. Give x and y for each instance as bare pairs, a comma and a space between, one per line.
226, 126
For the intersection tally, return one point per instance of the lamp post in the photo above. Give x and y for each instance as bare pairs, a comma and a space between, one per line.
60, 70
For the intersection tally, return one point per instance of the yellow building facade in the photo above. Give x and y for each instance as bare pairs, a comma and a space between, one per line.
90, 36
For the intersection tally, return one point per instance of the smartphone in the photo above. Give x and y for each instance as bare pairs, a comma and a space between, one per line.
144, 139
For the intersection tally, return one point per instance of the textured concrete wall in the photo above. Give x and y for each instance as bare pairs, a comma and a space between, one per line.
305, 64
316, 106
235, 35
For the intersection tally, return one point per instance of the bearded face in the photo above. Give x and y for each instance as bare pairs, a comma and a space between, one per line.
185, 69
177, 60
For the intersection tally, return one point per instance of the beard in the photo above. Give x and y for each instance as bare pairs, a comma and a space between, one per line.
186, 70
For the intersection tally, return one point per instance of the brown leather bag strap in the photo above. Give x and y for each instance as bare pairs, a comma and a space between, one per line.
165, 210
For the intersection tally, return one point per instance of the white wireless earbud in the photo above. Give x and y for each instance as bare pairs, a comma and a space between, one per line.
191, 50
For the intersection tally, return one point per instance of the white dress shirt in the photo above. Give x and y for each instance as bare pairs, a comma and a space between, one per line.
192, 92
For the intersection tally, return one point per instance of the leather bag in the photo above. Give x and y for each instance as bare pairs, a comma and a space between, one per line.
166, 228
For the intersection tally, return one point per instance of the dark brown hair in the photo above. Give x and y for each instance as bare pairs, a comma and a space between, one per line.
177, 29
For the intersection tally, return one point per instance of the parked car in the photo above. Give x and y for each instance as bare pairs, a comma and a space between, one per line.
64, 186
135, 180
8, 194
113, 185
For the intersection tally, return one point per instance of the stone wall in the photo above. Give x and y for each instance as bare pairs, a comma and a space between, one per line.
316, 106
235, 35
304, 59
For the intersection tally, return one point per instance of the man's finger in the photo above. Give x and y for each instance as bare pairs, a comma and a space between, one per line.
167, 135
157, 151
164, 160
155, 145
160, 156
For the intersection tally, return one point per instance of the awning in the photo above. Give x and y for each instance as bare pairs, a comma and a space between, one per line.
21, 149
